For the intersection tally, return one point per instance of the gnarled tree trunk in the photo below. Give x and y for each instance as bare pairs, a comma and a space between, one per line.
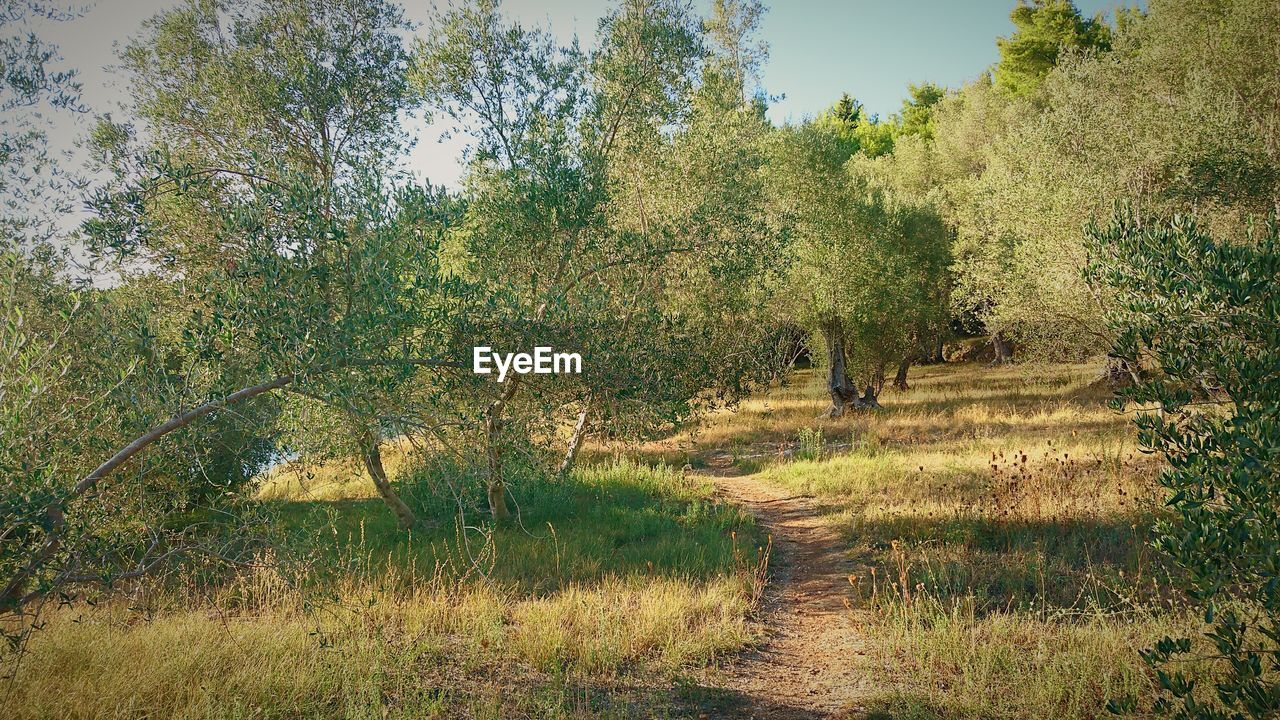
1004, 351
869, 399
839, 385
496, 488
372, 458
871, 393
575, 440
844, 394
900, 378
937, 355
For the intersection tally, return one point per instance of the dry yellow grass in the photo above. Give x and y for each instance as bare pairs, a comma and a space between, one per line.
998, 516
640, 583
424, 654
343, 479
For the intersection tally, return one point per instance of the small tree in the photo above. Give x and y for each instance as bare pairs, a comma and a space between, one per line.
605, 209
1204, 317
867, 262
245, 99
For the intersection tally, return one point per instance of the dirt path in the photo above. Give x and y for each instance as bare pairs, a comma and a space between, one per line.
808, 664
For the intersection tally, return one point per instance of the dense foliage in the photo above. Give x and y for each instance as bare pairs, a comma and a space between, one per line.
284, 291
1202, 316
1177, 116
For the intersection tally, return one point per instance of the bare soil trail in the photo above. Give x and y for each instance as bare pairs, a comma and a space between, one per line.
809, 664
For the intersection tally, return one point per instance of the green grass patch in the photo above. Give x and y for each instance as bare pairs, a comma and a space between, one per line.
616, 581
603, 521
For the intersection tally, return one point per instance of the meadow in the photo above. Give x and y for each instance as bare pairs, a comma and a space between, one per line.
617, 579
994, 518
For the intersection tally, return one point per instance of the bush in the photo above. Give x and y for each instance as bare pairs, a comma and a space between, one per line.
1202, 317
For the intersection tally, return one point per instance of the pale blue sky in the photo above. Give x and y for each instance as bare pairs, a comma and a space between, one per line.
818, 49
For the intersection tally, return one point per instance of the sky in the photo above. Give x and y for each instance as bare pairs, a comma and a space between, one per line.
818, 49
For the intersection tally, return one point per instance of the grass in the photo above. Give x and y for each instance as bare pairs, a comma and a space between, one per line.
621, 579
948, 662
996, 517
608, 519
998, 520
343, 479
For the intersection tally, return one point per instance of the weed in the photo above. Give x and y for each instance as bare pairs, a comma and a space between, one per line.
810, 444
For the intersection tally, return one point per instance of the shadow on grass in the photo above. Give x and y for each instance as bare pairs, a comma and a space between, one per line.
1014, 401
909, 706
704, 701
961, 376
1069, 564
615, 520
551, 697
939, 408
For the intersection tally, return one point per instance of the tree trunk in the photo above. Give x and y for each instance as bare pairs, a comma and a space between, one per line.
575, 440
938, 356
1119, 373
842, 391
1004, 353
497, 493
869, 400
900, 379
497, 486
372, 457
871, 394
844, 394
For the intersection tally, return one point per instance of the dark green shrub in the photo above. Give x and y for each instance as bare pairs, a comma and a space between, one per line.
1202, 318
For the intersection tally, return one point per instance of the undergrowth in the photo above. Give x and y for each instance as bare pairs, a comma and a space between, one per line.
618, 579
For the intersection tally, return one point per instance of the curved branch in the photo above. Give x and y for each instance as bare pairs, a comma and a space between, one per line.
12, 595
174, 423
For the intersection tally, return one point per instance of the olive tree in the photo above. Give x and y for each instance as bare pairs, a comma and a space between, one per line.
867, 262
230, 99
1175, 117
1200, 315
570, 221
334, 296
690, 318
